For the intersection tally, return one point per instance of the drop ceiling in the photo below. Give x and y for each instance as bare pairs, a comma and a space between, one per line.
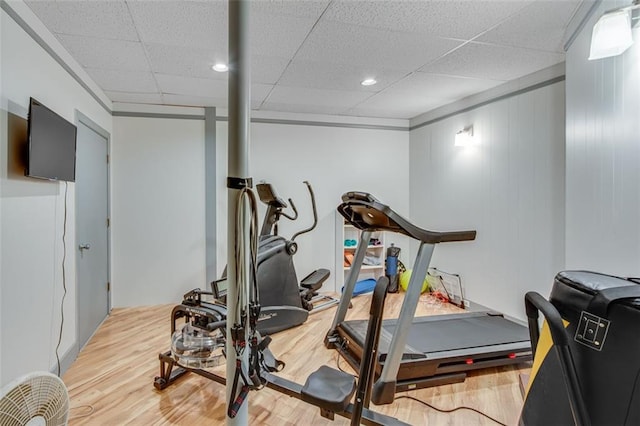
310, 56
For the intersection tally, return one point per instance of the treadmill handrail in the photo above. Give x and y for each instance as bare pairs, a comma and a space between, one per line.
365, 212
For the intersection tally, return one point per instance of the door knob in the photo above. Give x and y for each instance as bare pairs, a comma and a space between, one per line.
84, 247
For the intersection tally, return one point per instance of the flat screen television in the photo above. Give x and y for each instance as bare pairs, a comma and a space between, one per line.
52, 145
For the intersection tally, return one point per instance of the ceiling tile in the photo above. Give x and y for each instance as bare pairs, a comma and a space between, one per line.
105, 19
400, 103
206, 88
181, 23
191, 62
197, 63
135, 98
462, 19
492, 62
204, 25
106, 53
419, 93
441, 86
303, 109
299, 8
195, 101
259, 93
273, 35
318, 97
322, 75
336, 42
267, 69
190, 86
124, 81
540, 25
402, 111
201, 101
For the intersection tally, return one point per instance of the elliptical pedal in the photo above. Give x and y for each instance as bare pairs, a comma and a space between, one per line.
314, 280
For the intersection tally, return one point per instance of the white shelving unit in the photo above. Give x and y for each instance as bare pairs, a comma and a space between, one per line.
347, 238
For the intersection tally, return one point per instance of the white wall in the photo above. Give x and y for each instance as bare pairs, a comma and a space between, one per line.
603, 154
334, 160
158, 223
31, 212
510, 189
158, 227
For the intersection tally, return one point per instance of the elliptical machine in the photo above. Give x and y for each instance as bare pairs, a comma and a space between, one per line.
284, 302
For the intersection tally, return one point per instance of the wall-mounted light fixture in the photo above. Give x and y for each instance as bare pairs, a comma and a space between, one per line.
611, 35
465, 137
220, 67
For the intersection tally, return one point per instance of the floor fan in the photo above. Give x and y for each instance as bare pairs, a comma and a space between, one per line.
35, 399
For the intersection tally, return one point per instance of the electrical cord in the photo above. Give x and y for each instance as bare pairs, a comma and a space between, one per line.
64, 278
340, 368
253, 250
78, 416
426, 403
441, 410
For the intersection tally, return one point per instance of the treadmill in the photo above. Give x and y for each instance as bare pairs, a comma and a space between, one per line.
419, 352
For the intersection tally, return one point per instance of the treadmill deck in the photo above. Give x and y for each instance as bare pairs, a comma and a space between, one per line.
445, 344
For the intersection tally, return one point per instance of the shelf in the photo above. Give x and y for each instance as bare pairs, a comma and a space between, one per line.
366, 267
368, 247
374, 252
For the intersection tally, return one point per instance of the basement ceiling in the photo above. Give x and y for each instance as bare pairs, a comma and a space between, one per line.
310, 56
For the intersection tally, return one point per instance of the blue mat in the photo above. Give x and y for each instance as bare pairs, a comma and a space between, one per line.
363, 287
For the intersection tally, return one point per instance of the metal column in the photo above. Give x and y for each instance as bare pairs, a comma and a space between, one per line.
238, 165
210, 201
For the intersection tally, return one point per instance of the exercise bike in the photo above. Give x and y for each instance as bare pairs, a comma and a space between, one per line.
285, 302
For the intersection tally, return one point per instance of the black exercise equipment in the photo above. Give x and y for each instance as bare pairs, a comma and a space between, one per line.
284, 301
586, 369
419, 352
329, 389
309, 285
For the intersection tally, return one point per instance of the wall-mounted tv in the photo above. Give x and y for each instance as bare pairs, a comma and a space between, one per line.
52, 145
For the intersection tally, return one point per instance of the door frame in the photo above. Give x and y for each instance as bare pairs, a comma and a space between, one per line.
80, 118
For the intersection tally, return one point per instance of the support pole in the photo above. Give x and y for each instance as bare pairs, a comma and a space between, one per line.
238, 166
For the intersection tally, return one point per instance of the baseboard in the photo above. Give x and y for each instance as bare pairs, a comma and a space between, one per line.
66, 360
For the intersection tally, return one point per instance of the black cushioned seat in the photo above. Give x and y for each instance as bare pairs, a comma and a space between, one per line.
329, 389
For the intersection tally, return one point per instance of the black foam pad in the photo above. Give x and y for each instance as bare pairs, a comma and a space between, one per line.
329, 389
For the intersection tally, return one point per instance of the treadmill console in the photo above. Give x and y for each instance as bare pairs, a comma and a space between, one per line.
359, 196
365, 212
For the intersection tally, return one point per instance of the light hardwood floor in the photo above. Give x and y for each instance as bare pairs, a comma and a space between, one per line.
114, 374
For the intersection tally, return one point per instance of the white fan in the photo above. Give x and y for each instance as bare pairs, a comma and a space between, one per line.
35, 399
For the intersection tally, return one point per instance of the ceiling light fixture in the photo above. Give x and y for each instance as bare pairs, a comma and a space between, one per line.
368, 82
611, 35
465, 137
220, 67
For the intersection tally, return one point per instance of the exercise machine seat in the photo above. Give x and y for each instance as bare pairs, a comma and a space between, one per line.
329, 389
600, 316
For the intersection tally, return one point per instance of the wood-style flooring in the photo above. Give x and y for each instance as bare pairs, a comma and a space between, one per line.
111, 382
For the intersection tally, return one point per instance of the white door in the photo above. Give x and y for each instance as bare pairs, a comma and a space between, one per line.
92, 232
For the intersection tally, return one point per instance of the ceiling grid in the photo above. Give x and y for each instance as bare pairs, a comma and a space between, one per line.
310, 56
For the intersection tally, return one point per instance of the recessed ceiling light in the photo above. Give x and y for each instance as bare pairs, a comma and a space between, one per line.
220, 67
368, 82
